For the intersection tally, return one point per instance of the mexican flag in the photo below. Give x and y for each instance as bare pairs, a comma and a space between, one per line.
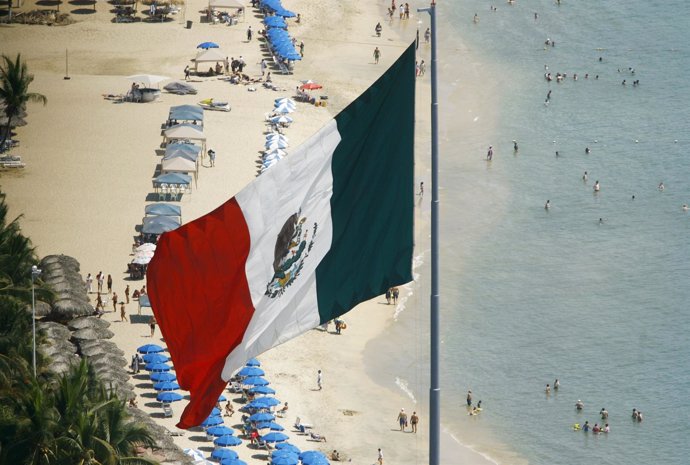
327, 227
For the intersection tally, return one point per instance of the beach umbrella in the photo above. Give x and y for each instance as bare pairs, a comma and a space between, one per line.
275, 436
213, 420
275, 153
92, 333
269, 401
227, 441
166, 386
207, 45
159, 377
144, 253
251, 371
220, 431
289, 447
141, 260
311, 86
281, 119
222, 398
255, 381
158, 367
253, 405
215, 411
284, 109
169, 396
196, 454
279, 452
270, 424
308, 455
149, 80
276, 144
222, 453
262, 390
232, 462
87, 322
156, 358
288, 459
150, 349
285, 101
276, 136
252, 362
148, 247
262, 416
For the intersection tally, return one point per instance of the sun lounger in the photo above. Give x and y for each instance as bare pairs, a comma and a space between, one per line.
167, 411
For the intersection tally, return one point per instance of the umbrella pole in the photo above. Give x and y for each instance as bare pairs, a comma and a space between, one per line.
434, 386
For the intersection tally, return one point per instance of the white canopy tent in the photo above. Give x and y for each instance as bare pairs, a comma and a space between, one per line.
189, 132
229, 4
212, 55
180, 164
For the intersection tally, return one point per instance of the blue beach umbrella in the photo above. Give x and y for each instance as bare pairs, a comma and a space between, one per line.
310, 455
213, 420
227, 441
268, 401
279, 452
262, 390
222, 398
220, 431
169, 396
287, 459
159, 377
150, 349
155, 358
275, 436
232, 462
207, 45
255, 381
262, 416
215, 411
289, 447
166, 386
222, 453
251, 371
252, 362
270, 424
158, 367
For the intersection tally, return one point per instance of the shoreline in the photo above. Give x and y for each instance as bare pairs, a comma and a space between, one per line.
106, 175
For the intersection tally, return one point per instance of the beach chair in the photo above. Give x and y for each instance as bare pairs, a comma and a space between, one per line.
167, 411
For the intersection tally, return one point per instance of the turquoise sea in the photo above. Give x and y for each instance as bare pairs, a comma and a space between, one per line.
529, 294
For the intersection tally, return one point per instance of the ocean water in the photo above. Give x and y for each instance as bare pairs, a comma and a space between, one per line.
529, 294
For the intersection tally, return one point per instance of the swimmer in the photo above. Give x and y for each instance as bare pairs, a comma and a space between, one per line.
596, 428
601, 59
547, 205
639, 416
601, 220
634, 415
579, 405
685, 207
548, 96
490, 153
585, 177
548, 389
606, 428
585, 427
623, 83
515, 146
633, 197
556, 153
596, 186
661, 186
476, 18
587, 150
556, 385
604, 413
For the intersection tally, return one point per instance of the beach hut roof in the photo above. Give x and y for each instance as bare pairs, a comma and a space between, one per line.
180, 163
159, 224
188, 149
163, 209
185, 131
173, 178
187, 112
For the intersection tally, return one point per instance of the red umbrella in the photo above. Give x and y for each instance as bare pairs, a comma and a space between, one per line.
311, 86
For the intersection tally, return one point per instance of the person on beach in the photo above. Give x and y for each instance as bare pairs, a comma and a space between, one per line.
319, 379
335, 455
422, 68
135, 364
99, 303
380, 457
229, 410
110, 284
469, 398
579, 405
127, 293
377, 55
402, 419
133, 402
249, 34
114, 301
301, 48
427, 35
414, 420
89, 283
263, 66
421, 189
152, 325
388, 296
99, 279
187, 71
402, 11
212, 157
396, 294
378, 29
490, 153
123, 312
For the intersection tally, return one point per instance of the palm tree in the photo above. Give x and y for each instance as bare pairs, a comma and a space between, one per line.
14, 90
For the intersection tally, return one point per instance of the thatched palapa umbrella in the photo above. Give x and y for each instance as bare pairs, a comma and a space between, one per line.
88, 322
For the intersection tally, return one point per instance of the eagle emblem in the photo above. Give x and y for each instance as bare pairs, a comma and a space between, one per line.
292, 248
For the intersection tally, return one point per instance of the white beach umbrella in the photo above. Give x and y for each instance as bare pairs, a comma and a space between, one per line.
272, 158
141, 260
276, 136
149, 80
276, 144
146, 247
144, 253
280, 152
285, 101
284, 109
281, 119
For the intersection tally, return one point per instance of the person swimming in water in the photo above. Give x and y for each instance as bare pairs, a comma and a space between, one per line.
515, 146
596, 186
547, 205
585, 177
685, 207
587, 150
661, 186
579, 405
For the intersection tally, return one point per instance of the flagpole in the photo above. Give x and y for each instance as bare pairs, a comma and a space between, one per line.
434, 385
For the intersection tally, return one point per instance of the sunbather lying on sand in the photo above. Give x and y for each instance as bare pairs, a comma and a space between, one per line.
317, 437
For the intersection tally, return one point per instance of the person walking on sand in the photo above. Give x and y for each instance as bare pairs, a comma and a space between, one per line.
319, 379
152, 325
127, 293
249, 34
187, 71
99, 279
114, 301
490, 153
388, 296
89, 283
110, 284
212, 157
396, 294
377, 55
402, 419
469, 398
414, 420
123, 313
380, 458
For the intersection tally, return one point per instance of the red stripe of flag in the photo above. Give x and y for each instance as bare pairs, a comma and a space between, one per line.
200, 298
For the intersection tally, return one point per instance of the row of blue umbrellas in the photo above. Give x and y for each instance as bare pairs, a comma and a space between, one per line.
281, 43
291, 455
277, 7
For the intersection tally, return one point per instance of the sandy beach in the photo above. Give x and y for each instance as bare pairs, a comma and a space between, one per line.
88, 177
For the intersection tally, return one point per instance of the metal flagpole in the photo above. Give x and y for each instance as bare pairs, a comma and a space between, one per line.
434, 385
